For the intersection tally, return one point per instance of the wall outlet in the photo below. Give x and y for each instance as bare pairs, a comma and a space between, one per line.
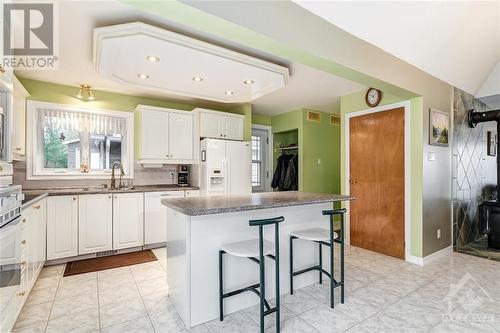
438, 234
431, 156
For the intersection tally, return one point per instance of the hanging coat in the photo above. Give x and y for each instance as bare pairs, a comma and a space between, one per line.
280, 171
291, 180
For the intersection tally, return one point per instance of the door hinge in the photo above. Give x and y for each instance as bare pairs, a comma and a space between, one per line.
267, 174
267, 140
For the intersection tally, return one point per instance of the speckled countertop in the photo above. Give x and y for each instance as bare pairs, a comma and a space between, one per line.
206, 205
34, 195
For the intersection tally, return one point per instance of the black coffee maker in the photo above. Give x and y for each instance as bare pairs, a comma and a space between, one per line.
183, 175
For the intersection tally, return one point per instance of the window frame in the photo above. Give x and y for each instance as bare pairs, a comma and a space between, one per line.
34, 155
267, 160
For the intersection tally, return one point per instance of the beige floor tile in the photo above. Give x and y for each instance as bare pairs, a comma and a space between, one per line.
41, 295
147, 271
50, 281
142, 325
154, 286
237, 322
120, 312
83, 322
54, 270
33, 315
76, 288
74, 305
117, 295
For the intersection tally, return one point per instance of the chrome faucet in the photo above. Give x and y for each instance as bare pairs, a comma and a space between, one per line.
113, 179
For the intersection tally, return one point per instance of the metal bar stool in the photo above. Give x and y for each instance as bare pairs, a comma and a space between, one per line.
327, 238
252, 249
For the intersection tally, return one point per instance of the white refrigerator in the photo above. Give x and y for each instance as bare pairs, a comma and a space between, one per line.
226, 167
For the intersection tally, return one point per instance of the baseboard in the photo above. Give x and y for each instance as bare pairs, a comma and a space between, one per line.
438, 254
431, 257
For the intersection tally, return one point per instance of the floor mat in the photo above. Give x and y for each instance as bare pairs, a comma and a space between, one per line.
114, 261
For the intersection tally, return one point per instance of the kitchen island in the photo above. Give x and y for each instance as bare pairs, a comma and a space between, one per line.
198, 226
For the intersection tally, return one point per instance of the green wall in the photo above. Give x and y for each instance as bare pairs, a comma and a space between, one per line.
62, 94
261, 119
356, 102
319, 149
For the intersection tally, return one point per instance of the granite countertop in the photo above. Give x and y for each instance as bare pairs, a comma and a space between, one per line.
206, 205
103, 190
31, 199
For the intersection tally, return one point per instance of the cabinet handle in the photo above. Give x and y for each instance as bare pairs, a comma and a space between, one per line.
23, 263
23, 242
21, 293
37, 207
109, 197
24, 220
74, 199
18, 148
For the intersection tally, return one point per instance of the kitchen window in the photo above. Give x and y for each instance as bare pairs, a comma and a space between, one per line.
66, 142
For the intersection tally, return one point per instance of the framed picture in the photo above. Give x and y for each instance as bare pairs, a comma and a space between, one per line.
439, 122
491, 149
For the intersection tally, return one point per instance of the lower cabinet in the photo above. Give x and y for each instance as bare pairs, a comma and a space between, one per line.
62, 227
155, 216
28, 238
128, 220
95, 223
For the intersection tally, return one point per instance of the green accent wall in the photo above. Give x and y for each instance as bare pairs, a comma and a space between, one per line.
62, 94
356, 102
261, 119
319, 149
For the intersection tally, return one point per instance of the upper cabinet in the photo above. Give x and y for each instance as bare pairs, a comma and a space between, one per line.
19, 120
220, 125
167, 136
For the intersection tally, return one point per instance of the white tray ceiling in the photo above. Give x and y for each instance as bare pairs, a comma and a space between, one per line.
121, 51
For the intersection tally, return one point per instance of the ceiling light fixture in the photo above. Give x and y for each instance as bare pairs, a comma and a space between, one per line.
143, 76
85, 93
249, 82
229, 92
153, 58
197, 79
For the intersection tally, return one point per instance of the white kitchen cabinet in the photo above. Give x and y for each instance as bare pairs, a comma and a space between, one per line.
62, 227
18, 134
128, 220
6, 77
180, 133
220, 125
95, 223
167, 136
155, 216
192, 193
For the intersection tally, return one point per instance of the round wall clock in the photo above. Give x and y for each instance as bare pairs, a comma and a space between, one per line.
373, 97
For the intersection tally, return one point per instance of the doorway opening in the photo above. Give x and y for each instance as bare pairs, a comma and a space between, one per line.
261, 158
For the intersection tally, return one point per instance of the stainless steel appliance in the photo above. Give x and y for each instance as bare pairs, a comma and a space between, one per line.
6, 107
10, 243
183, 175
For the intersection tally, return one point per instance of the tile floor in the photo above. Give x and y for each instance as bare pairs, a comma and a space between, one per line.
458, 293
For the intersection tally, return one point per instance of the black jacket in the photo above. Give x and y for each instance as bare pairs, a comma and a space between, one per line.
286, 173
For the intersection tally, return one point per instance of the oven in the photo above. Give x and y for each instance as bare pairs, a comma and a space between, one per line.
10, 249
6, 109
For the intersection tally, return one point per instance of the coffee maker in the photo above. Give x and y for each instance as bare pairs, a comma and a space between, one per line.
183, 175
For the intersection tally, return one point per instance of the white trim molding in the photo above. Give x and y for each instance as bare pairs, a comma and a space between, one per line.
431, 257
407, 165
269, 157
34, 156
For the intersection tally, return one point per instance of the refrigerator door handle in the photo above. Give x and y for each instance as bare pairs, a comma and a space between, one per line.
228, 175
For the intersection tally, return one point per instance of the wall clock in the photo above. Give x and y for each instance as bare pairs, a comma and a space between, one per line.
373, 97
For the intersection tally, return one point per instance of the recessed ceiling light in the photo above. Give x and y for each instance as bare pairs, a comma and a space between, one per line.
248, 81
229, 92
197, 79
153, 58
143, 76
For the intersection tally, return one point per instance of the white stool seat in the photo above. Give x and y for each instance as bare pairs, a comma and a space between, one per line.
314, 234
248, 248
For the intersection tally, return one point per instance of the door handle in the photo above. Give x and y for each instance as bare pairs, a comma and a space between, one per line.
352, 181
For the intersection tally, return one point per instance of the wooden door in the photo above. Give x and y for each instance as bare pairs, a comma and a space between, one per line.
376, 149
180, 133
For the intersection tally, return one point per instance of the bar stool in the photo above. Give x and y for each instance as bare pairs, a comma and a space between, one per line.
323, 237
252, 249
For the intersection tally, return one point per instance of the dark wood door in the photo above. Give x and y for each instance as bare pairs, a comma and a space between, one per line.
376, 149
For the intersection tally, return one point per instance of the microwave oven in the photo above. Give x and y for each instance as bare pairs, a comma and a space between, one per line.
6, 109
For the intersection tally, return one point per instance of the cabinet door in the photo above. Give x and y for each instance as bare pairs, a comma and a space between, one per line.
128, 220
154, 143
234, 128
19, 121
95, 223
180, 132
212, 125
34, 220
62, 227
155, 216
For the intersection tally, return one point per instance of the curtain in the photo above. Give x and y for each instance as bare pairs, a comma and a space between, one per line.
82, 122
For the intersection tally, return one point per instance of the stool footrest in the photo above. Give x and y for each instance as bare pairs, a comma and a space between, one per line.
313, 268
253, 288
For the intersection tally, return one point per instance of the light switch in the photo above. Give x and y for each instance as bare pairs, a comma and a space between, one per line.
431, 156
